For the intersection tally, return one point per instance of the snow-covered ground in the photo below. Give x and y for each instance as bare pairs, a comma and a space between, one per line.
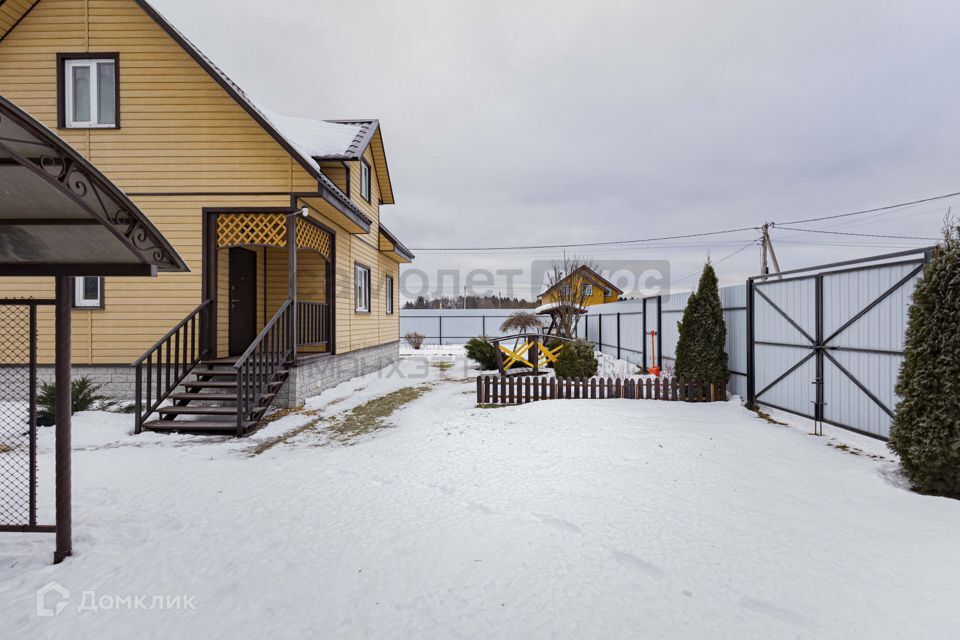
568, 519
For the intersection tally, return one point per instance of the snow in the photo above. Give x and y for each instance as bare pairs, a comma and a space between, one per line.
314, 138
550, 306
566, 519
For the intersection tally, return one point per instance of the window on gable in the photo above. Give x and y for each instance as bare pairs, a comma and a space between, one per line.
389, 287
361, 282
565, 290
88, 292
365, 180
88, 95
588, 290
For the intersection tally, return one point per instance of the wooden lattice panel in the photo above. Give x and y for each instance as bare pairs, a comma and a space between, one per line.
310, 236
238, 229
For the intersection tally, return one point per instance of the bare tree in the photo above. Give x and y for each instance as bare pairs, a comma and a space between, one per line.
569, 288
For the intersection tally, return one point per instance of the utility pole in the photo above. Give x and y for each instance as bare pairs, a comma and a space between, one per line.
767, 246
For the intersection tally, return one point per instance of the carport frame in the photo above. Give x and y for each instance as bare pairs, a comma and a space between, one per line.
63, 169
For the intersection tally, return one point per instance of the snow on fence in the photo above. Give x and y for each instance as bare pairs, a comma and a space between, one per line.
524, 389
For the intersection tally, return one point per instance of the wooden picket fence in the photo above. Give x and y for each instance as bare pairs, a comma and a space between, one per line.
523, 389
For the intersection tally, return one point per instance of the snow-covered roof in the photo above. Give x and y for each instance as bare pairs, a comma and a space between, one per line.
550, 306
323, 139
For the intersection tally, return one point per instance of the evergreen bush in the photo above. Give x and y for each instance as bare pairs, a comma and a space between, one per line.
925, 432
483, 352
701, 349
576, 360
85, 396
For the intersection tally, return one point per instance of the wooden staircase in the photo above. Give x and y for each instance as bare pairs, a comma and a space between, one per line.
208, 403
227, 396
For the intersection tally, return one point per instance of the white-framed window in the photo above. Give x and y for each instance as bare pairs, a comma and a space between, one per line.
88, 292
588, 290
90, 92
361, 283
389, 290
565, 290
365, 180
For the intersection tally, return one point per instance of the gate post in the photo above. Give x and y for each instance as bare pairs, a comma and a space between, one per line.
618, 336
751, 373
63, 419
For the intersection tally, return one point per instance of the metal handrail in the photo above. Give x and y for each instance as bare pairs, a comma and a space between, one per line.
167, 363
259, 365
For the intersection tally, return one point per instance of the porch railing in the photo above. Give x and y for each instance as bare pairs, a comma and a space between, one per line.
164, 366
260, 365
313, 323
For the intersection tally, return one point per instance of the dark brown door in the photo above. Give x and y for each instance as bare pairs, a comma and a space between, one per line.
243, 299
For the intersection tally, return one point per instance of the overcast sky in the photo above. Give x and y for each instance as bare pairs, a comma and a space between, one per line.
542, 122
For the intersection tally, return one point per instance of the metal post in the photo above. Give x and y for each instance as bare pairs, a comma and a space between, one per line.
33, 414
440, 328
643, 334
63, 419
751, 373
292, 280
618, 336
660, 332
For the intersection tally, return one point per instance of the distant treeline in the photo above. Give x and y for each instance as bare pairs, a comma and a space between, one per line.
469, 302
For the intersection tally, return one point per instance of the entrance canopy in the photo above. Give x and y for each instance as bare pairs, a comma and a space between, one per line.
61, 216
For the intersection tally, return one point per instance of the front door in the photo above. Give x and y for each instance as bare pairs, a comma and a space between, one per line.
243, 299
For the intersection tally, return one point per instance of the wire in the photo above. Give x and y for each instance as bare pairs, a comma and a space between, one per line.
587, 244
875, 210
752, 243
849, 233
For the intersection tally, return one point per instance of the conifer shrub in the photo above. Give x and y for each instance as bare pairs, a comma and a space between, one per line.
576, 360
925, 432
701, 349
414, 339
483, 352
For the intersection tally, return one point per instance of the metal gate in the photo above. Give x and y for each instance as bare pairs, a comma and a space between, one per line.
827, 343
18, 415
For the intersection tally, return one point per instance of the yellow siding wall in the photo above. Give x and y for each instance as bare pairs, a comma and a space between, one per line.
180, 132
597, 297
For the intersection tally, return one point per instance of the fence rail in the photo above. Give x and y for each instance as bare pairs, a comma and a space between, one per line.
261, 365
313, 323
524, 389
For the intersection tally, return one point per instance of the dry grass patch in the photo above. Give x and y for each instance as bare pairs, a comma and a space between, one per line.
371, 416
5, 448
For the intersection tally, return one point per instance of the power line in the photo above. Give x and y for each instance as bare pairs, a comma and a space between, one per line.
726, 257
588, 244
874, 210
849, 233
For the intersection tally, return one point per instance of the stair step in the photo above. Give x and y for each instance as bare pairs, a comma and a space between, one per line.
213, 397
197, 411
196, 426
216, 372
212, 384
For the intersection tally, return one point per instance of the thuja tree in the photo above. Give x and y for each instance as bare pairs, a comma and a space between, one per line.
701, 349
926, 426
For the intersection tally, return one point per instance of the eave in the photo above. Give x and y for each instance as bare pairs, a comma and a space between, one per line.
390, 245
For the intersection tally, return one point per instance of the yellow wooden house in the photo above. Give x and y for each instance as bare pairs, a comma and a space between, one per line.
582, 284
293, 280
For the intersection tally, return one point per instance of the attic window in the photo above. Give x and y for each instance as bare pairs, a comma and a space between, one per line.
89, 91
365, 180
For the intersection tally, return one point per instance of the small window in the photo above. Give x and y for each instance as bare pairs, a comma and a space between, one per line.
389, 287
588, 290
365, 180
88, 292
565, 290
362, 288
89, 96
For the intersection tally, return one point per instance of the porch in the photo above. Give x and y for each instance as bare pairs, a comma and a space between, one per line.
268, 300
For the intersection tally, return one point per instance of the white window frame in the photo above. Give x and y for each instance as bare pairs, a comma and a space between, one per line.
92, 64
565, 290
80, 299
588, 290
388, 281
361, 288
365, 180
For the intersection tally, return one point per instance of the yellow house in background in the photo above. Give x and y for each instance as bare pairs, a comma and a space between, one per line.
596, 289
